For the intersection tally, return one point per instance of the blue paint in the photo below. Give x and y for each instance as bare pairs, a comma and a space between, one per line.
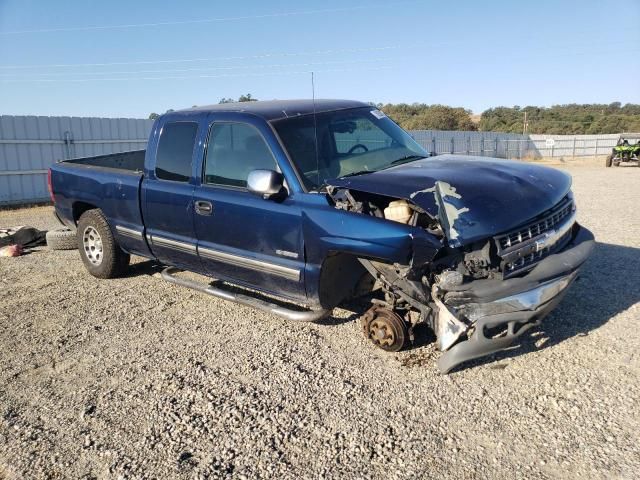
299, 231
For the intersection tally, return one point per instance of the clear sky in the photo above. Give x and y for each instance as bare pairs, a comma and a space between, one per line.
129, 58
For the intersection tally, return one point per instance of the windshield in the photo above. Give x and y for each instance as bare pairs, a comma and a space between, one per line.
350, 142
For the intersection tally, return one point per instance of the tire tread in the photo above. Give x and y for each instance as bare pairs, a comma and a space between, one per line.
61, 239
115, 261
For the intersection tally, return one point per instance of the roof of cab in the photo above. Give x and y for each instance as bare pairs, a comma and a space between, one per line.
277, 109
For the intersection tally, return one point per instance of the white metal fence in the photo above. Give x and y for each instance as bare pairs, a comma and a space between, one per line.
573, 145
515, 146
29, 145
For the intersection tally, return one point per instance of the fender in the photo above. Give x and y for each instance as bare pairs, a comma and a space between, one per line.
328, 231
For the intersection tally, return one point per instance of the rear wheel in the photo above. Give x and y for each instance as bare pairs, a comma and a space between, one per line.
100, 253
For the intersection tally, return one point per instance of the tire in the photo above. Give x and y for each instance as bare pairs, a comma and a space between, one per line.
100, 253
62, 239
609, 160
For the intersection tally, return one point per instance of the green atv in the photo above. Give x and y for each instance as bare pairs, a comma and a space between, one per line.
624, 151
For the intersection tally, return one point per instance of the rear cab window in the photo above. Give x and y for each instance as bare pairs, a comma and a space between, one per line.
175, 151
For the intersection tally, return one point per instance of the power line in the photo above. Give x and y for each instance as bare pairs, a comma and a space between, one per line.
272, 55
200, 69
20, 77
212, 20
193, 60
191, 77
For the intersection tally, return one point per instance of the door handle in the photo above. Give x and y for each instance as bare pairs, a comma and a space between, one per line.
203, 208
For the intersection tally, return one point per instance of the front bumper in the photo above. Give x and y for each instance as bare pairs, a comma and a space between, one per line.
499, 311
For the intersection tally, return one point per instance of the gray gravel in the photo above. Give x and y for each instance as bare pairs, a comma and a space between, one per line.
136, 378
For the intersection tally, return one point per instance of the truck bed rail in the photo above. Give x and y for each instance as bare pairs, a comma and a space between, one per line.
132, 161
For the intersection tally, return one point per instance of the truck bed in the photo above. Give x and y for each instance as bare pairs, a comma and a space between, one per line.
132, 161
108, 182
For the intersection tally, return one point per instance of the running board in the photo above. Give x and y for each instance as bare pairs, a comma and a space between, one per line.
296, 315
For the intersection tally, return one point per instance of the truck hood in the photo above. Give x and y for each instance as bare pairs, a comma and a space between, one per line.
473, 197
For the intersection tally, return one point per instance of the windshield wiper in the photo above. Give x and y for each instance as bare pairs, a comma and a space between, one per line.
406, 159
359, 172
398, 161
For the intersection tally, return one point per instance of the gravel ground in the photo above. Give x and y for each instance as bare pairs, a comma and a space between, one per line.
137, 378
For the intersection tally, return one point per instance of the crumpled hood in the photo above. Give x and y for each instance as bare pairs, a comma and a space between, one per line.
474, 197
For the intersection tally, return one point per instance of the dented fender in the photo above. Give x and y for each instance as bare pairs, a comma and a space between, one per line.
365, 236
328, 231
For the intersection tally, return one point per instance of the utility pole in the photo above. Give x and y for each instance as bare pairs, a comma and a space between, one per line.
525, 125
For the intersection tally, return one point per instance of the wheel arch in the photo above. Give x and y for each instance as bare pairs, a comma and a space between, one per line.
78, 208
107, 259
342, 276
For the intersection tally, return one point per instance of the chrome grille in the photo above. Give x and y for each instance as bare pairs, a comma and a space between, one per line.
532, 258
522, 248
555, 217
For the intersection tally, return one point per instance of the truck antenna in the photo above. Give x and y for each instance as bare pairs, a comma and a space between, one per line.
315, 128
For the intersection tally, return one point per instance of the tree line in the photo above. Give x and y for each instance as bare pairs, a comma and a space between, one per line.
564, 119
570, 119
419, 116
243, 98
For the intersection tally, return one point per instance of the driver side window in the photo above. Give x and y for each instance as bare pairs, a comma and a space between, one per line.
234, 150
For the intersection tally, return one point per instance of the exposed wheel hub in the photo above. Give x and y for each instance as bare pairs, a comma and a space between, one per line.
385, 328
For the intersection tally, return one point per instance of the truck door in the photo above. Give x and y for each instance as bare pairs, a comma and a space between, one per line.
242, 237
168, 195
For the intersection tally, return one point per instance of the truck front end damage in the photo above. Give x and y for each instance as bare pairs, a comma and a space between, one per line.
482, 316
478, 296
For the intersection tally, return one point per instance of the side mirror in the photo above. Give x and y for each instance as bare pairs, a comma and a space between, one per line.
267, 183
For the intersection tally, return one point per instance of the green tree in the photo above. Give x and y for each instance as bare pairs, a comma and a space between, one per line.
419, 116
564, 119
243, 98
247, 98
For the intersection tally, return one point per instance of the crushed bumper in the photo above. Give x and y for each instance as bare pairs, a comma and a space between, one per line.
499, 311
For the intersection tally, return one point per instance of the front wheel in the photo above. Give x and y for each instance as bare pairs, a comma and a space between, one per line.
609, 160
385, 328
100, 253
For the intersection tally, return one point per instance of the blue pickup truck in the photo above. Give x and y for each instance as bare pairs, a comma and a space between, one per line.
317, 202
